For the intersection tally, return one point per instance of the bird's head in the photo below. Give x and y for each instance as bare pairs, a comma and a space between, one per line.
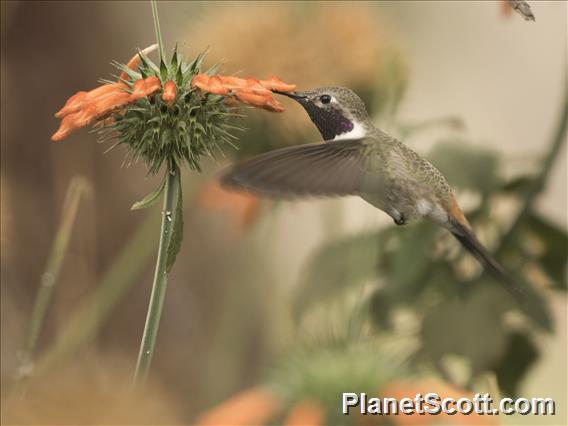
337, 112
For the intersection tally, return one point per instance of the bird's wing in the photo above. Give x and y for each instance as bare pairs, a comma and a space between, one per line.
319, 169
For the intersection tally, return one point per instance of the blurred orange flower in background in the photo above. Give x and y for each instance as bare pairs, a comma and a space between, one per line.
261, 407
239, 208
252, 407
403, 389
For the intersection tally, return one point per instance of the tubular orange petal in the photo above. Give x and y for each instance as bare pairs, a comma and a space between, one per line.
254, 86
251, 98
274, 83
145, 87
216, 87
252, 407
72, 122
169, 95
73, 104
248, 90
273, 105
201, 81
79, 99
233, 83
266, 102
110, 102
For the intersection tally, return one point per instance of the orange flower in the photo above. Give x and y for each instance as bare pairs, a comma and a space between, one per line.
403, 389
247, 90
85, 108
240, 208
306, 413
169, 95
145, 87
252, 407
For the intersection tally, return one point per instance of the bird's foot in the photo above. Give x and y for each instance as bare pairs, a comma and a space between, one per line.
400, 220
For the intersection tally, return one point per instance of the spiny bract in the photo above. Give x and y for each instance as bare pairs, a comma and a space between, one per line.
181, 131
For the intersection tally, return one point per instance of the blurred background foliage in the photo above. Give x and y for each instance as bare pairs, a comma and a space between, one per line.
278, 307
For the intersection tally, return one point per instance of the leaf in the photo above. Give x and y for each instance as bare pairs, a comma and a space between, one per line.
196, 64
174, 61
471, 328
150, 199
467, 167
520, 355
380, 306
338, 265
147, 64
163, 70
518, 185
535, 306
176, 237
411, 259
555, 255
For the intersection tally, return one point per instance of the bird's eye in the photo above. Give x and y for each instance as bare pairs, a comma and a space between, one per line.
325, 99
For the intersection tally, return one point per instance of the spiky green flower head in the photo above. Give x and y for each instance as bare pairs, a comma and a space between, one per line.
324, 371
179, 131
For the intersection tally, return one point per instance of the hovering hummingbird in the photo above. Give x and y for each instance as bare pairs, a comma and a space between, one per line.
359, 159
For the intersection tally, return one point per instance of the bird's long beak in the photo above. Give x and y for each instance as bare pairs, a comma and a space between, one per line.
297, 96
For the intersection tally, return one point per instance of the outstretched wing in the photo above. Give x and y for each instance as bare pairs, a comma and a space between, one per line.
319, 169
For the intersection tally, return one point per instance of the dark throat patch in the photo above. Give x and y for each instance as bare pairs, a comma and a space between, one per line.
330, 121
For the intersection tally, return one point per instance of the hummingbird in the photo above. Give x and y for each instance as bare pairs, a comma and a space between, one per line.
359, 159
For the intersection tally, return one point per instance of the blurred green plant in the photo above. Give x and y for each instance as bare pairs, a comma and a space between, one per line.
417, 271
78, 188
92, 314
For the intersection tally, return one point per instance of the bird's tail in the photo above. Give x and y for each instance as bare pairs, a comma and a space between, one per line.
468, 239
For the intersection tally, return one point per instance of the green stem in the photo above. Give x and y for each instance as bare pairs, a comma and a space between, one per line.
50, 276
94, 312
540, 181
171, 197
157, 27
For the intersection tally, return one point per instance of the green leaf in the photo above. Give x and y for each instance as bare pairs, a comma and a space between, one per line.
147, 64
196, 64
380, 306
466, 166
519, 184
554, 257
150, 199
163, 70
131, 73
412, 258
338, 265
176, 237
520, 355
471, 328
174, 61
179, 77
